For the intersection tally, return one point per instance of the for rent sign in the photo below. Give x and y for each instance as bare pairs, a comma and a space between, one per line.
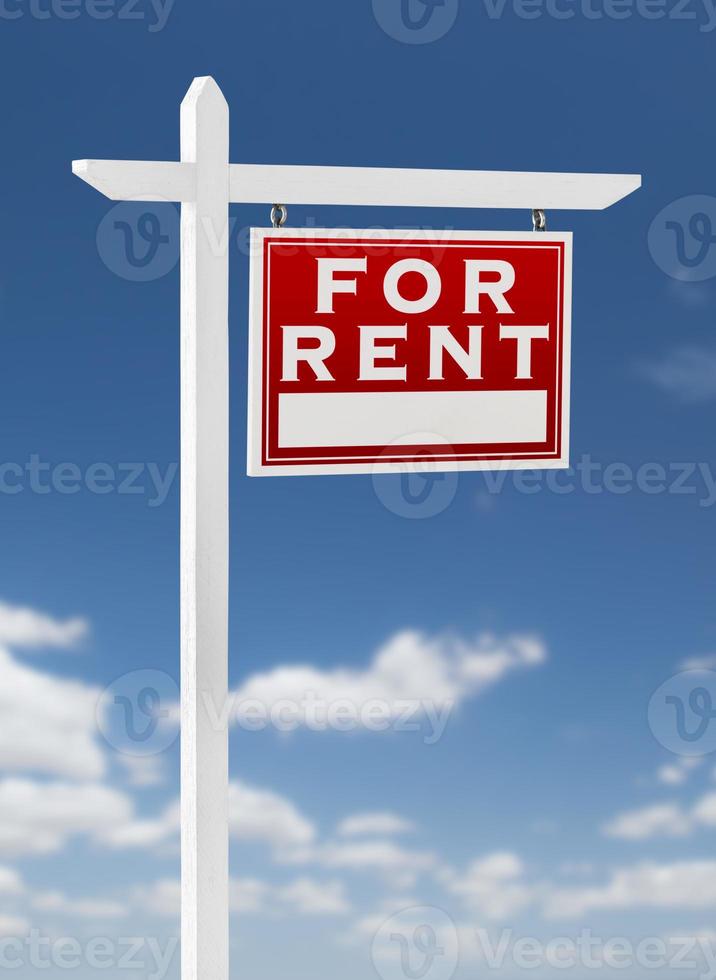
376, 351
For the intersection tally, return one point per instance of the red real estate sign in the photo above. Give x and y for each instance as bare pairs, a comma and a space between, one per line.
379, 351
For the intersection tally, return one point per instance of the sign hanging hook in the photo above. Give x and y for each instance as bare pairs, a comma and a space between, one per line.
279, 214
539, 220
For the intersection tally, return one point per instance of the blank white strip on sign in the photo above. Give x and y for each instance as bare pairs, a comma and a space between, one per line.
382, 418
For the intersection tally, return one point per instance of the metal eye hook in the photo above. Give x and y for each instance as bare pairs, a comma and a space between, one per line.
539, 220
279, 214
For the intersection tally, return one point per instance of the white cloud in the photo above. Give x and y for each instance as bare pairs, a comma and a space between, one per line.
142, 770
493, 887
304, 896
94, 908
497, 888
161, 898
395, 929
381, 824
707, 662
397, 866
676, 773
310, 897
10, 882
688, 373
388, 907
704, 811
47, 724
39, 818
672, 775
666, 820
248, 895
259, 814
22, 627
13, 926
265, 816
138, 832
254, 815
409, 667
80, 908
683, 885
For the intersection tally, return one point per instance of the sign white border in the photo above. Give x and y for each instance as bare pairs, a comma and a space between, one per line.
255, 465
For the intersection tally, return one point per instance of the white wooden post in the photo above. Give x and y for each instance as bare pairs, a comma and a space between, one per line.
204, 534
204, 182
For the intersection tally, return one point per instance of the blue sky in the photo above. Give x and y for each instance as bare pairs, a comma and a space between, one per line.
547, 805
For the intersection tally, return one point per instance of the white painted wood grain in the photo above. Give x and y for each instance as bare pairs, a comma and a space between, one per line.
138, 180
252, 183
374, 186
204, 535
